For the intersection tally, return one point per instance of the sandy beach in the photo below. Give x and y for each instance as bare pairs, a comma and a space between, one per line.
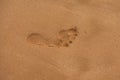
59, 40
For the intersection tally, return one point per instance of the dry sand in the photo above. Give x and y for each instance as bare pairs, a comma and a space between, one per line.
59, 40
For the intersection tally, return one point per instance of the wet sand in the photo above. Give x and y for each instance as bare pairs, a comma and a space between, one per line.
59, 40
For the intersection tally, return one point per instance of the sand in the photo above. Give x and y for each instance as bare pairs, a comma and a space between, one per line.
59, 40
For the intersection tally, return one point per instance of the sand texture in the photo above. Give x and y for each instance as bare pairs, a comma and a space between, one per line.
59, 40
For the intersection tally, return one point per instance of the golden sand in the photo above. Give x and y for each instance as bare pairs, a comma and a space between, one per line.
59, 40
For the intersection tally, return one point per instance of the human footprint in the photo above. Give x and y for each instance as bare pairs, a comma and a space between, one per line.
64, 38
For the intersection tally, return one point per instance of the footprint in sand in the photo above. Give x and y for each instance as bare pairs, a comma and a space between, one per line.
64, 38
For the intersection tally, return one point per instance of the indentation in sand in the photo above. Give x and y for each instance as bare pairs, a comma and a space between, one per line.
64, 38
36, 38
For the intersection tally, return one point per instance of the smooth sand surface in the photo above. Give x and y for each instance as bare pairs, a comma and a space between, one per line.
59, 40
